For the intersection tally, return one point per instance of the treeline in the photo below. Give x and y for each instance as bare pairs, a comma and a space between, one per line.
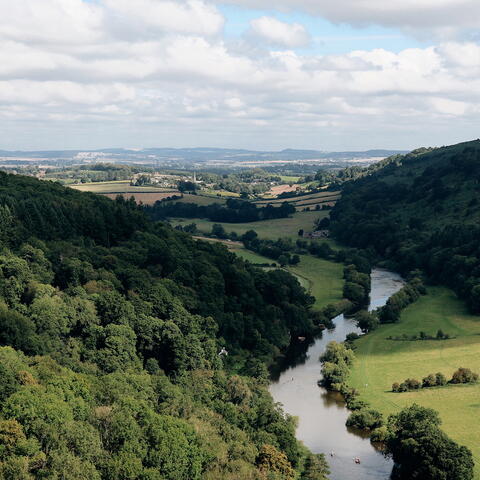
391, 311
461, 375
110, 342
29, 207
420, 211
234, 211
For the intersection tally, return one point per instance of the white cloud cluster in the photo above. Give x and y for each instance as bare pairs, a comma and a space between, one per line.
79, 70
276, 32
445, 16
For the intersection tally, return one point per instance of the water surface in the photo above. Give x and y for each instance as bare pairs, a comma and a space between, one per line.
322, 414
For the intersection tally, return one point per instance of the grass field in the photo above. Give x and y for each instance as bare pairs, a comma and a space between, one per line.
269, 229
146, 195
122, 186
380, 362
318, 197
324, 278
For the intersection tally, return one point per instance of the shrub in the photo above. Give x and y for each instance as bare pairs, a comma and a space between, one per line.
365, 419
413, 384
440, 379
464, 375
429, 381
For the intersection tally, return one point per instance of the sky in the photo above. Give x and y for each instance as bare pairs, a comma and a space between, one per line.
256, 74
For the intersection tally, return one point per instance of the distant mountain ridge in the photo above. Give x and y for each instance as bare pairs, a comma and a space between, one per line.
202, 154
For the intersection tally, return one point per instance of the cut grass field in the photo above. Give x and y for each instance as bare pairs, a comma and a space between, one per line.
381, 362
325, 279
302, 199
268, 229
122, 186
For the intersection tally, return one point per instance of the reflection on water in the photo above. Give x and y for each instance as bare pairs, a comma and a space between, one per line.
322, 414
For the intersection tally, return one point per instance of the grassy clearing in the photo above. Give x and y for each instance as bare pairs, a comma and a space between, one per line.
325, 279
380, 362
122, 186
201, 200
319, 197
269, 229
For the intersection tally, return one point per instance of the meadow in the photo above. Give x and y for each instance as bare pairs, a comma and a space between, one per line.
146, 195
319, 197
381, 362
269, 229
324, 278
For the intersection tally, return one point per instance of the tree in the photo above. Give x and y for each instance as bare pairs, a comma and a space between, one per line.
294, 260
300, 232
283, 260
464, 375
366, 321
270, 461
421, 450
365, 419
316, 468
218, 231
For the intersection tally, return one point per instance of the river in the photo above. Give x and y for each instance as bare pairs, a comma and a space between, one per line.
322, 414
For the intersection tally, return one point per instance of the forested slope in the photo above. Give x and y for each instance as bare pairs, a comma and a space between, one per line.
110, 328
421, 210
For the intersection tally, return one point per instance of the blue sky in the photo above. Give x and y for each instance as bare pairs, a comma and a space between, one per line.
329, 38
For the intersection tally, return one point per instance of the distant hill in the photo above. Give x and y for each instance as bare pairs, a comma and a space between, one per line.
421, 210
194, 155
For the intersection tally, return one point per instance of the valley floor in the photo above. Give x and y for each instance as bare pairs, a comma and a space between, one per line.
271, 229
381, 362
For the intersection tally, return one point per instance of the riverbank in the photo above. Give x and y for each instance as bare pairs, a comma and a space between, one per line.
322, 414
380, 362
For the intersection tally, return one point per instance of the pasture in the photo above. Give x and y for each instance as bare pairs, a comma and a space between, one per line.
268, 229
381, 362
319, 198
324, 279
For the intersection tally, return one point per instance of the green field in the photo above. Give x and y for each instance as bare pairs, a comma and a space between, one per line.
122, 186
380, 362
324, 279
302, 199
269, 229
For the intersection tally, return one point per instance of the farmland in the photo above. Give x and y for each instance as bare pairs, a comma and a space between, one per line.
305, 201
380, 362
269, 229
146, 195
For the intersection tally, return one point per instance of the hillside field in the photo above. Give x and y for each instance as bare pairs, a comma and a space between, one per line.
381, 362
268, 229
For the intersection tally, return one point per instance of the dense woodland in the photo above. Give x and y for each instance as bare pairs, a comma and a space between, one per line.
234, 211
110, 333
421, 210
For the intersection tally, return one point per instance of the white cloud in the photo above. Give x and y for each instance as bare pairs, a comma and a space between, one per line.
276, 32
70, 66
190, 16
445, 16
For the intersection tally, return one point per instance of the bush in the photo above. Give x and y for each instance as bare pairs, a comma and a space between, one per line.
441, 379
429, 381
365, 419
379, 435
464, 375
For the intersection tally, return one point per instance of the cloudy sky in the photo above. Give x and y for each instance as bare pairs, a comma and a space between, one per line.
261, 74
